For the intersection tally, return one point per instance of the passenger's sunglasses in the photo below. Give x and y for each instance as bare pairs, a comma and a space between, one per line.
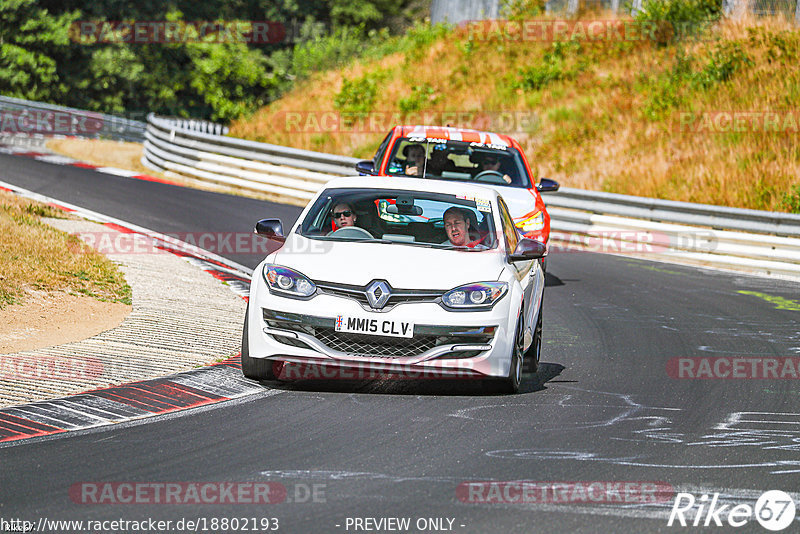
339, 214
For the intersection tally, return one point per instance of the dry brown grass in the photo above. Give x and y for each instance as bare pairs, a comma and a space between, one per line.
37, 257
102, 153
127, 156
601, 127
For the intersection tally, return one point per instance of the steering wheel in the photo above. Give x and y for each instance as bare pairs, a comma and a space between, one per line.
351, 231
489, 173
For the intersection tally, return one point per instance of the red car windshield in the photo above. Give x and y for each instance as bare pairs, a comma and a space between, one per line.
457, 160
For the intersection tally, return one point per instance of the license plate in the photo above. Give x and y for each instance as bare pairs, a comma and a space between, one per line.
374, 326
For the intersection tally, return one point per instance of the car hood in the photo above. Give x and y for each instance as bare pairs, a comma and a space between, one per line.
402, 266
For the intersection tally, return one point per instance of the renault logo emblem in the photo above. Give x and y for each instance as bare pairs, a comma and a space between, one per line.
378, 292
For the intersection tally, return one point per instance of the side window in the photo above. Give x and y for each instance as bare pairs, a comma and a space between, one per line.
509, 230
376, 163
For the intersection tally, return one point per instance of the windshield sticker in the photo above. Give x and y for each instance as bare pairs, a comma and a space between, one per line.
437, 140
493, 146
483, 205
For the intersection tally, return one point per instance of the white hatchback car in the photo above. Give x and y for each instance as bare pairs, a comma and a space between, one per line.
408, 276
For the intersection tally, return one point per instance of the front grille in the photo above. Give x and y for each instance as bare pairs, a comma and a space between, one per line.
376, 346
425, 337
358, 293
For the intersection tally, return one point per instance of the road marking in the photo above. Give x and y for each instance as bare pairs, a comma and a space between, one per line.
779, 302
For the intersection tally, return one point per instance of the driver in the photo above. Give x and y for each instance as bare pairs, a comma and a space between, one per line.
457, 226
343, 215
492, 163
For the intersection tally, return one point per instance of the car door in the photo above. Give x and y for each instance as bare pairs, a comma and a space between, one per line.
528, 273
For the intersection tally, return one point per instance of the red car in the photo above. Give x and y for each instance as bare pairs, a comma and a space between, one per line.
458, 154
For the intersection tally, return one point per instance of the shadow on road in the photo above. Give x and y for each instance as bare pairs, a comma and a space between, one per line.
551, 280
531, 383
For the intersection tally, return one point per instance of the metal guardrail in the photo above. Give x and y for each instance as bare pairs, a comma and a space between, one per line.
699, 234
27, 118
185, 149
687, 213
756, 241
758, 253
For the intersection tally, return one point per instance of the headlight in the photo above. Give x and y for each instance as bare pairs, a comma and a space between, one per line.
286, 281
533, 223
477, 296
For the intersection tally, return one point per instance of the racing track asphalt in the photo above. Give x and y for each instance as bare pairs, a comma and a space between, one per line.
601, 408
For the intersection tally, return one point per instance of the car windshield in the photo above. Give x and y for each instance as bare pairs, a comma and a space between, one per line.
414, 218
443, 159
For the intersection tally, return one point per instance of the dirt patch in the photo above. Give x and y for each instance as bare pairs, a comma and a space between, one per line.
101, 152
49, 319
127, 156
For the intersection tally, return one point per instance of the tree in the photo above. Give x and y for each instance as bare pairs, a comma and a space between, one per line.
32, 41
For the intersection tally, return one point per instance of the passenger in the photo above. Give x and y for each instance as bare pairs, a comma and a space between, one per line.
343, 215
439, 162
415, 160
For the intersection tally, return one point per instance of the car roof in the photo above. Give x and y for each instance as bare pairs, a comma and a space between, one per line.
411, 184
456, 134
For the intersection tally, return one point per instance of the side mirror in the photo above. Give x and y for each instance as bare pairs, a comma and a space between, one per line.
546, 185
528, 249
270, 228
365, 167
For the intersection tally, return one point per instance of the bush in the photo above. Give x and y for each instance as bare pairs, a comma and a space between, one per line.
357, 96
791, 200
724, 62
552, 68
675, 20
421, 96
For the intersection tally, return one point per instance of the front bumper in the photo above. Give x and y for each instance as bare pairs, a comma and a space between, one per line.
476, 344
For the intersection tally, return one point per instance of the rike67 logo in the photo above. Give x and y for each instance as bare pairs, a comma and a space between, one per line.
774, 510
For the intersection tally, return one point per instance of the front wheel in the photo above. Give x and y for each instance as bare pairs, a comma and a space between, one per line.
510, 384
534, 352
254, 368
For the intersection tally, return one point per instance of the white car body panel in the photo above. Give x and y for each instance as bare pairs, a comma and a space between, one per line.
403, 267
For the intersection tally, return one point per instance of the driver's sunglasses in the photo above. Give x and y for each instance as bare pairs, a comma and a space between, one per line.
490, 161
339, 214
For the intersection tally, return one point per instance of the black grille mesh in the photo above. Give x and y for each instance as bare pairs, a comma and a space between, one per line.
365, 345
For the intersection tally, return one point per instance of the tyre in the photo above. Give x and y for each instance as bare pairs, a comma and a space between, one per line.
254, 368
534, 352
510, 384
